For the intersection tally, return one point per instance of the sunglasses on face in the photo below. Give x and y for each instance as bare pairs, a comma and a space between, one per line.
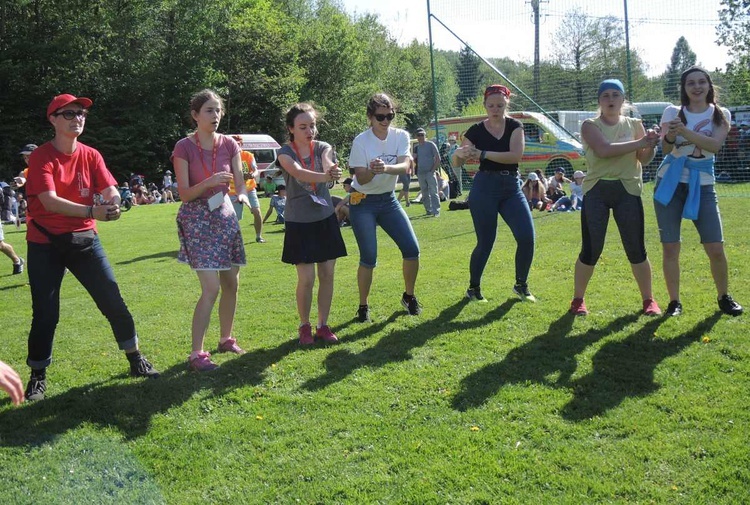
383, 117
70, 114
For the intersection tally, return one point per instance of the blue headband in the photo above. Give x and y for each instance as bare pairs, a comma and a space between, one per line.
611, 84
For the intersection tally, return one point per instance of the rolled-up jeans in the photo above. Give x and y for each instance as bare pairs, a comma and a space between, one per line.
46, 268
429, 188
384, 210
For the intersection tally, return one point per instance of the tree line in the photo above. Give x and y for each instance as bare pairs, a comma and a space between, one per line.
141, 60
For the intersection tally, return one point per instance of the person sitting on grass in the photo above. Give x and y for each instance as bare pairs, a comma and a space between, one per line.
269, 187
575, 200
278, 203
533, 190
342, 207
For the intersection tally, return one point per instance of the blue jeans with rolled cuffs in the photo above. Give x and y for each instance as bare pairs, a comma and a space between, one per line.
46, 268
383, 210
493, 193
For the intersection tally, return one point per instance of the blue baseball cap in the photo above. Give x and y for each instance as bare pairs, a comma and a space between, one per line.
611, 84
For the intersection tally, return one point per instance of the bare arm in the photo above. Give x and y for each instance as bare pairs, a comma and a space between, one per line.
189, 193
302, 174
711, 144
603, 148
514, 154
646, 154
58, 205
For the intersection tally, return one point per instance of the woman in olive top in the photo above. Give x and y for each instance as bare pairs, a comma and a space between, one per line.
615, 147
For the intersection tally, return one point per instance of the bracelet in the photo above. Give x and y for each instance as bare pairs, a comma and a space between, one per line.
666, 139
90, 212
482, 155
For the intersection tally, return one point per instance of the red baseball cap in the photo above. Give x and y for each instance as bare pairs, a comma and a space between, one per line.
61, 101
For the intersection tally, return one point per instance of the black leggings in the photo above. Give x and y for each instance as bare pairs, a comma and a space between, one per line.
627, 210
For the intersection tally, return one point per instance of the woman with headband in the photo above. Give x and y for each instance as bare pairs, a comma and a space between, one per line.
498, 143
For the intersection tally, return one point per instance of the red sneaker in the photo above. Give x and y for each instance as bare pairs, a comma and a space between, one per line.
230, 345
325, 334
305, 335
578, 307
202, 363
650, 307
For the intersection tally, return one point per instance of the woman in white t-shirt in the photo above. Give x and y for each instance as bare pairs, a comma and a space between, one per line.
691, 135
378, 156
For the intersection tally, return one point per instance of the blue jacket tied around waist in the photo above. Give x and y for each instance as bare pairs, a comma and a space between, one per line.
671, 179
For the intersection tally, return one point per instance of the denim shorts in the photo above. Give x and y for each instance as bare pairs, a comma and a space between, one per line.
252, 196
384, 210
708, 224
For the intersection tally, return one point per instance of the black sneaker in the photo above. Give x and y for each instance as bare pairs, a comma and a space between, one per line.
36, 388
522, 291
475, 295
18, 267
363, 313
411, 304
673, 309
729, 306
142, 368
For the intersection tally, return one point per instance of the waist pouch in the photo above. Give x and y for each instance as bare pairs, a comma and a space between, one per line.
75, 241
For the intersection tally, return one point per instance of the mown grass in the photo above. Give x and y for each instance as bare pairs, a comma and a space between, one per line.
504, 402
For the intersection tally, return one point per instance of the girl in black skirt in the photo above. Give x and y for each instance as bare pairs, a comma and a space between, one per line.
312, 234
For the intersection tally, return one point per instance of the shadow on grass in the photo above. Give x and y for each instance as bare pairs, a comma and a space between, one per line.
15, 286
397, 346
553, 351
129, 405
165, 254
625, 369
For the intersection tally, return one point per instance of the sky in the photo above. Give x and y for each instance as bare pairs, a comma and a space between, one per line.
655, 26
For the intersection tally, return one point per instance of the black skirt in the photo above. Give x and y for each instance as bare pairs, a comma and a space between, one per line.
313, 242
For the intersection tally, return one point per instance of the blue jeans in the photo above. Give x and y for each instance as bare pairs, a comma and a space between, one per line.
46, 268
383, 210
492, 194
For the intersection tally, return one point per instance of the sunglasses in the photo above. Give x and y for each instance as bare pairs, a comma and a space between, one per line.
383, 117
70, 114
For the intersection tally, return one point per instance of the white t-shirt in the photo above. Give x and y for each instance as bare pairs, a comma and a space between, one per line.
576, 190
701, 123
367, 147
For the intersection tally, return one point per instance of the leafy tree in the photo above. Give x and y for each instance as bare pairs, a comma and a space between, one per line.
468, 76
734, 32
682, 58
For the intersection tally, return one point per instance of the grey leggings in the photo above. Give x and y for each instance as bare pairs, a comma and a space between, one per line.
627, 210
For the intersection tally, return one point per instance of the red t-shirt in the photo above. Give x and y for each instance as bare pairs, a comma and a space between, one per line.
74, 177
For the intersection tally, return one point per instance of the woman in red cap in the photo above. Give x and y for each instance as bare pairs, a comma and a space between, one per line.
64, 176
498, 143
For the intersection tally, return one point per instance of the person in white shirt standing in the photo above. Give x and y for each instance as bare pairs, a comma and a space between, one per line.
378, 156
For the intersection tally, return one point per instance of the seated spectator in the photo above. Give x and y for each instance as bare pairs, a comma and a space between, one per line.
442, 184
575, 200
278, 203
556, 185
342, 207
533, 190
269, 187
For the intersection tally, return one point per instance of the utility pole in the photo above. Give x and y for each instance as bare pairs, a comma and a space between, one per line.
535, 4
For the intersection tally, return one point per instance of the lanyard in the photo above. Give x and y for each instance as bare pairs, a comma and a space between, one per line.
302, 162
213, 156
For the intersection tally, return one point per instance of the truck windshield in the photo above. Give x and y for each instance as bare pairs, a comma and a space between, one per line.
263, 155
553, 128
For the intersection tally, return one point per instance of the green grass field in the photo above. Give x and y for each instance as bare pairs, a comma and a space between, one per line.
504, 402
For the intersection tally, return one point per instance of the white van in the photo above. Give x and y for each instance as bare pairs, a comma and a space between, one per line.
264, 148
